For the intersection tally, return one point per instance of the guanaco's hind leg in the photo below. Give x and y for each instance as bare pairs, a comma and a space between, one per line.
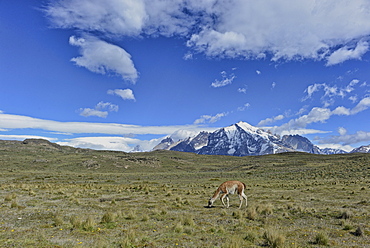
241, 197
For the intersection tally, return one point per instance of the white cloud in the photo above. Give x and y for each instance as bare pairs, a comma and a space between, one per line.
300, 131
242, 90
87, 112
347, 139
123, 142
226, 79
361, 106
209, 118
125, 94
182, 134
345, 53
218, 28
276, 27
188, 56
101, 57
331, 91
244, 107
258, 72
12, 122
99, 110
112, 16
353, 98
110, 143
23, 137
341, 111
317, 115
270, 120
342, 130
312, 89
346, 148
107, 105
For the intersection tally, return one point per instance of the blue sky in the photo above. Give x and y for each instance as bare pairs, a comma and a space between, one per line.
119, 73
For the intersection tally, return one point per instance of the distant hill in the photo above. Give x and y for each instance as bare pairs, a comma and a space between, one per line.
36, 156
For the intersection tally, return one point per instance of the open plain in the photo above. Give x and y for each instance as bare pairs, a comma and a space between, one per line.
54, 196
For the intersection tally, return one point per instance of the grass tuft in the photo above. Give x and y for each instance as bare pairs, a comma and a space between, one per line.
89, 224
252, 213
75, 221
321, 239
273, 238
188, 220
346, 215
109, 217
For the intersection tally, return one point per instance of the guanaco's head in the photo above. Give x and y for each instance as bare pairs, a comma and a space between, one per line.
210, 203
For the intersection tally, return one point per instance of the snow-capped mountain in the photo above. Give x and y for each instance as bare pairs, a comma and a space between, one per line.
240, 139
362, 149
328, 151
165, 144
299, 143
243, 139
192, 144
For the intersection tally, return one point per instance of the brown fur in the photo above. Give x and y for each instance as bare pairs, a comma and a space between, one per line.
229, 187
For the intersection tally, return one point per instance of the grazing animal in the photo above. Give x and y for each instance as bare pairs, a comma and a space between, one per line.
226, 188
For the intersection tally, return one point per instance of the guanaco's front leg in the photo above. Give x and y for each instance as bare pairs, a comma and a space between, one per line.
222, 199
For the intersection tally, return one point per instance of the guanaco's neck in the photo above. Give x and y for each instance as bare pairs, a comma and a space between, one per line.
216, 194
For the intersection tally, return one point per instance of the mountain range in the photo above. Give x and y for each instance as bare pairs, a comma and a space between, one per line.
243, 139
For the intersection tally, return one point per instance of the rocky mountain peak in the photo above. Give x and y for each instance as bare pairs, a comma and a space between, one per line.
243, 139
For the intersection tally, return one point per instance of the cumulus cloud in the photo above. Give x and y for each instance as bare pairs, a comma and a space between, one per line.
317, 115
272, 28
342, 130
86, 112
101, 57
125, 94
209, 118
113, 16
244, 29
226, 79
345, 53
100, 110
270, 120
361, 106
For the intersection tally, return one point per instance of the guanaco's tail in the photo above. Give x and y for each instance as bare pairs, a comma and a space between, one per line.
244, 185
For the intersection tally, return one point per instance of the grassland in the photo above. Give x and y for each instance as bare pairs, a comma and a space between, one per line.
53, 196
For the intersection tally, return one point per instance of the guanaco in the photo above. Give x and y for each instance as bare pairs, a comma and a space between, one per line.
226, 188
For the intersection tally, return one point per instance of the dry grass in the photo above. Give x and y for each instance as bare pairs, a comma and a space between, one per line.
295, 200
